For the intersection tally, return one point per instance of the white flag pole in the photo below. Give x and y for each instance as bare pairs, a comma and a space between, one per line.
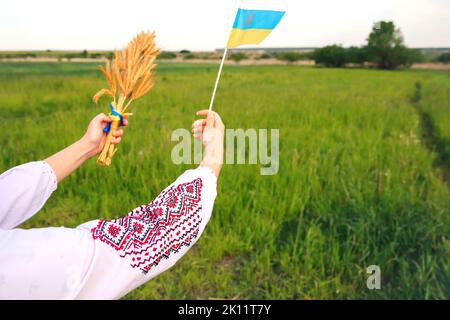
220, 71
218, 78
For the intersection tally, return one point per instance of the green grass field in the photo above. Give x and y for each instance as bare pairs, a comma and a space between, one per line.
358, 184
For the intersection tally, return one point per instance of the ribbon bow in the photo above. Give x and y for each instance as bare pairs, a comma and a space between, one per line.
113, 113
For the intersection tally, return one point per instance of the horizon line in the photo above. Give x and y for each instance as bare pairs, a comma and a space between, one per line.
210, 50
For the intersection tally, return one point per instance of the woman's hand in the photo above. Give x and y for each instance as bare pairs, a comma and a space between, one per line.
69, 159
211, 132
95, 138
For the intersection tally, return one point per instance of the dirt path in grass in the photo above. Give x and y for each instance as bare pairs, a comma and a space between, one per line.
431, 141
431, 66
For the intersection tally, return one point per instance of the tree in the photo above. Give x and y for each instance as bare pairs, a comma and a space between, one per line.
266, 55
386, 49
290, 57
167, 55
95, 55
330, 56
190, 56
356, 55
444, 57
415, 56
69, 56
109, 55
238, 56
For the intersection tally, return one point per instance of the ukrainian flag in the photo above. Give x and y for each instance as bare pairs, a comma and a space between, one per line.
253, 26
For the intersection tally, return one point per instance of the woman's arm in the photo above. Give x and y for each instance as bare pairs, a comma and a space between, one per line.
154, 237
66, 161
25, 189
106, 259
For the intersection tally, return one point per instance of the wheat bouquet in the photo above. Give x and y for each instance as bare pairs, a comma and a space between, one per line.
129, 76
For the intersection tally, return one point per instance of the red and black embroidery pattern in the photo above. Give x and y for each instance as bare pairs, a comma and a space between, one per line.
152, 232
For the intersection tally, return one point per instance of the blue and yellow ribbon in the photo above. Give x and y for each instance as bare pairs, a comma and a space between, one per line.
112, 114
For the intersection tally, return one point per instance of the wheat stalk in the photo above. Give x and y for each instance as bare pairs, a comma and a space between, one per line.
129, 76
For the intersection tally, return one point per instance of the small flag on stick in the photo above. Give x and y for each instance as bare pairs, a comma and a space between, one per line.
249, 27
253, 26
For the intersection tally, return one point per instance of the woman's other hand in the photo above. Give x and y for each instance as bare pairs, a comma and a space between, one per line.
210, 131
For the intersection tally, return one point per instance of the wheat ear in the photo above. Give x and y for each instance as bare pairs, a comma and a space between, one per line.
129, 75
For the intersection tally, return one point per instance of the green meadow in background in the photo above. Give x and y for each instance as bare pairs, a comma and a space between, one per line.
363, 177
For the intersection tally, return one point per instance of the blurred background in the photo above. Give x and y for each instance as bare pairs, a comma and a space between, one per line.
360, 92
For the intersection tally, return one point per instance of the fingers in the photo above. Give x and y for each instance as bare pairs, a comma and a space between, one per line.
103, 118
213, 118
198, 129
198, 126
116, 140
198, 132
118, 133
209, 114
117, 136
203, 112
212, 121
199, 122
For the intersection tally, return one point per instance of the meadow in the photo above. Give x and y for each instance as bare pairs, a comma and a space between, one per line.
362, 178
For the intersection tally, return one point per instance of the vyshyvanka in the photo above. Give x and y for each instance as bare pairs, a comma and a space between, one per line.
99, 259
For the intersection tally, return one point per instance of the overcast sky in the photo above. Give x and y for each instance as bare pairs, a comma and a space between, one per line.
205, 24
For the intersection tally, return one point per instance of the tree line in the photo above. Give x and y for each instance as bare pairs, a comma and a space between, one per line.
385, 49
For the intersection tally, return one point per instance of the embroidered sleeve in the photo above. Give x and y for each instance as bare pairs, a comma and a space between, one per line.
106, 259
152, 237
155, 231
23, 191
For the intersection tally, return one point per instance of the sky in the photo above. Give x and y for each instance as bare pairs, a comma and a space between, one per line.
205, 24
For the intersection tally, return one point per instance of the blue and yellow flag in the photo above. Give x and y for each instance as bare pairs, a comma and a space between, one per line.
253, 26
